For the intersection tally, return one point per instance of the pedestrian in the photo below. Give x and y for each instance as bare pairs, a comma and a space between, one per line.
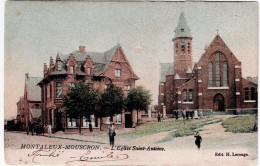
192, 114
49, 130
90, 127
256, 123
177, 115
159, 117
183, 114
112, 134
187, 114
198, 139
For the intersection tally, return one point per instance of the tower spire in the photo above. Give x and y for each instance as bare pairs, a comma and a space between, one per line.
182, 30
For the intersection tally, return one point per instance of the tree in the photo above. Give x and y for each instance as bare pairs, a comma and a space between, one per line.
138, 99
82, 100
112, 101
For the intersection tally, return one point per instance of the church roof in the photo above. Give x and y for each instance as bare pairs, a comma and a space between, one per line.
166, 69
182, 30
34, 91
253, 79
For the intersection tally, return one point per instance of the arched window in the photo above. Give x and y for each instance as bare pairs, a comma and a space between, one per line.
224, 72
185, 95
190, 94
252, 93
246, 94
210, 74
217, 60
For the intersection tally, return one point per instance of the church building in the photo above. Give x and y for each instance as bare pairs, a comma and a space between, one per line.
214, 83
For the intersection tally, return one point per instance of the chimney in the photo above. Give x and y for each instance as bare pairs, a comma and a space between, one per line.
82, 49
27, 75
51, 62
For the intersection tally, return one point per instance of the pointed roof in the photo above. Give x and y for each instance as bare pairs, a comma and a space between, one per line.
177, 77
189, 71
58, 57
182, 30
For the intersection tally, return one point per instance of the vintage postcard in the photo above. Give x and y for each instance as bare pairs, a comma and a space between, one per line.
131, 83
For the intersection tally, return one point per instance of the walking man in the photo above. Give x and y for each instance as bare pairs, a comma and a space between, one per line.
198, 139
112, 134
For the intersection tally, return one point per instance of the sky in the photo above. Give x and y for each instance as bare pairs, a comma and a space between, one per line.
34, 31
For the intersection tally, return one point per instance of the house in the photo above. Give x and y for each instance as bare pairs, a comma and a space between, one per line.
97, 69
29, 105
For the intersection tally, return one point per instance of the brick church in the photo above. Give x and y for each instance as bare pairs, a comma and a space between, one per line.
214, 83
97, 69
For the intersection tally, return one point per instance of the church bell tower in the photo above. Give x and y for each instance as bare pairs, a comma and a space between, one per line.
182, 49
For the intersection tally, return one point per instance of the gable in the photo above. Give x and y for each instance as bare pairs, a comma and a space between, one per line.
218, 45
119, 60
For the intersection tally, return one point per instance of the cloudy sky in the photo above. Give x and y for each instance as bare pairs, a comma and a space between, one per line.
34, 31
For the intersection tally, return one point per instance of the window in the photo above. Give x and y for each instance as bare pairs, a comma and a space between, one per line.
184, 95
72, 69
190, 95
58, 90
87, 121
118, 73
46, 90
218, 70
224, 72
72, 122
210, 74
118, 70
119, 118
182, 48
108, 120
217, 60
127, 89
188, 47
252, 93
89, 71
59, 65
72, 85
50, 92
246, 94
182, 30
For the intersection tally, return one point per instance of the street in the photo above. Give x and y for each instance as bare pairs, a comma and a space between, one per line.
218, 148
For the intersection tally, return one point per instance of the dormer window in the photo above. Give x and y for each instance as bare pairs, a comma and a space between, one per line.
59, 65
89, 70
72, 70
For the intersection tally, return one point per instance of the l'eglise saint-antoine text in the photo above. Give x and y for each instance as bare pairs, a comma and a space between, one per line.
140, 148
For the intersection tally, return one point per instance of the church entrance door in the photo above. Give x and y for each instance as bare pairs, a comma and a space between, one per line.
219, 102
